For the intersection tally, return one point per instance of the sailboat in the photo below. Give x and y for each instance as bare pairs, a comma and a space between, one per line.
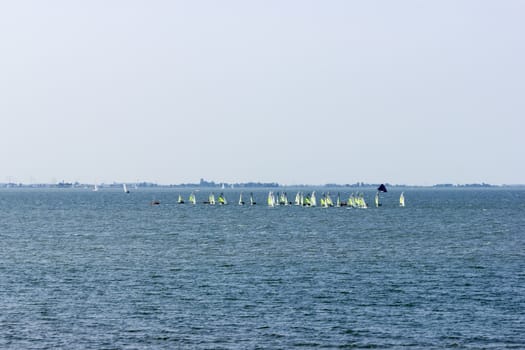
222, 200
313, 200
192, 198
402, 199
338, 201
283, 199
211, 199
125, 188
328, 199
252, 201
95, 188
271, 199
180, 200
351, 201
241, 202
323, 201
378, 203
298, 198
363, 203
306, 201
360, 201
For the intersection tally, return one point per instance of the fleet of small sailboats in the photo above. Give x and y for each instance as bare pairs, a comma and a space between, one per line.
355, 200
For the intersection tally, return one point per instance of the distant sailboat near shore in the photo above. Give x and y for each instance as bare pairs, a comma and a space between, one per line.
125, 188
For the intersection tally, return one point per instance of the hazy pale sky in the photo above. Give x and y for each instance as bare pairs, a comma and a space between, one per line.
407, 92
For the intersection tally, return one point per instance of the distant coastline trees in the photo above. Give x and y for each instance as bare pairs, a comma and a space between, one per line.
252, 184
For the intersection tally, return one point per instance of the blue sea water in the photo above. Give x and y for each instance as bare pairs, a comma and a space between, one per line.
106, 270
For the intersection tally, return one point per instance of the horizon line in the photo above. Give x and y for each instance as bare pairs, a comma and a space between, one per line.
254, 184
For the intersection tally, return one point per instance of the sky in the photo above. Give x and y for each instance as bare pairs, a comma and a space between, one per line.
288, 91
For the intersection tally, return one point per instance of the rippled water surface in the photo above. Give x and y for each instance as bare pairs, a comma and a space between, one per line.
106, 270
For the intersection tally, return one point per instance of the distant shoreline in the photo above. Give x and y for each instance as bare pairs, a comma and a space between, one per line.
248, 185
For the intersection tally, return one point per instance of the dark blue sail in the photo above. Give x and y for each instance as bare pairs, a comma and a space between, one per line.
382, 188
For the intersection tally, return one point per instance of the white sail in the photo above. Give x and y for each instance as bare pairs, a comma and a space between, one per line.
283, 199
211, 199
298, 198
402, 200
329, 202
241, 202
376, 199
252, 201
192, 198
313, 200
271, 199
95, 188
276, 198
125, 188
362, 202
